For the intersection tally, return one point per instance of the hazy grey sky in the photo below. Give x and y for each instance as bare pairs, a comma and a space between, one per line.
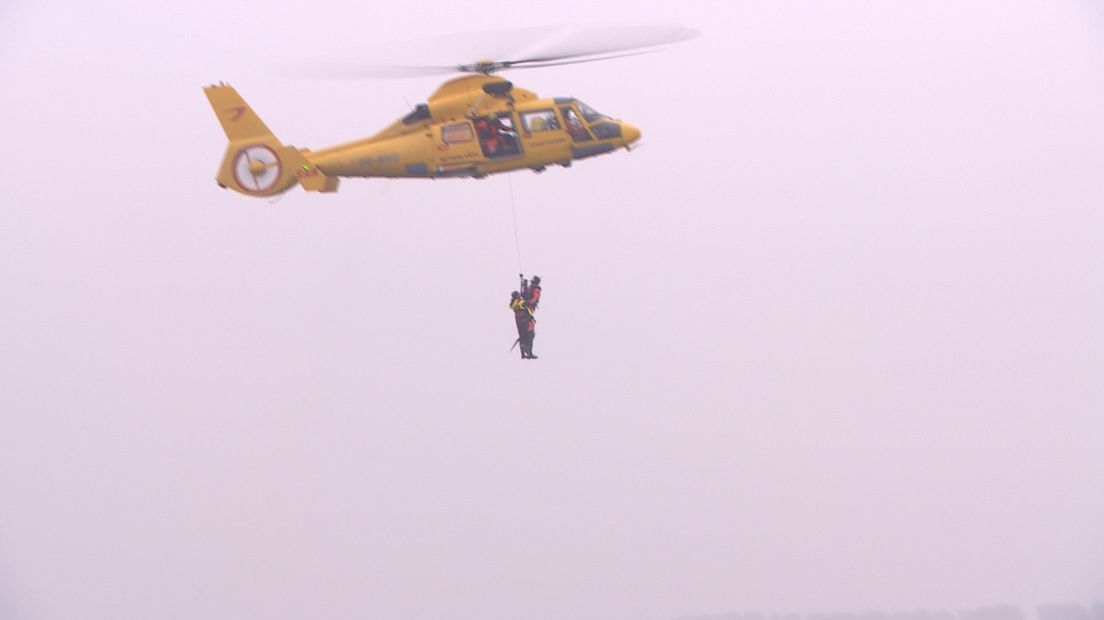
831, 340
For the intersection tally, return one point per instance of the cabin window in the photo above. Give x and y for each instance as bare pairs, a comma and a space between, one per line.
575, 127
540, 120
459, 132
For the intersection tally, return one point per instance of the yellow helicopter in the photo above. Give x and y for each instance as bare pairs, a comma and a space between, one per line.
472, 126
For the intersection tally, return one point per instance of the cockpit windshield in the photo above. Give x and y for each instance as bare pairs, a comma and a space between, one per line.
589, 113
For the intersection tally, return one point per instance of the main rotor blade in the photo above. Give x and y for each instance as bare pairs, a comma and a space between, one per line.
533, 47
602, 40
349, 70
537, 64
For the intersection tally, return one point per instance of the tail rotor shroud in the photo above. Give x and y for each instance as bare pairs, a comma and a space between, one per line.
257, 168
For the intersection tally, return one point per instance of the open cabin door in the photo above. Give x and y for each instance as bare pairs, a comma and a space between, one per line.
498, 137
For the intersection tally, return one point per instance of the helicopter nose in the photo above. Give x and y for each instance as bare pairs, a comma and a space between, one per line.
630, 132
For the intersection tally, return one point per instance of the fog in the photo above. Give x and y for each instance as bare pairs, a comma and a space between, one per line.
830, 342
1053, 611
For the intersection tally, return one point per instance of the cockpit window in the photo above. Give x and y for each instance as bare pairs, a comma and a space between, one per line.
575, 127
589, 113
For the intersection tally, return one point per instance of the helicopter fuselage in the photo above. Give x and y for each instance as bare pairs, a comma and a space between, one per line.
472, 126
471, 133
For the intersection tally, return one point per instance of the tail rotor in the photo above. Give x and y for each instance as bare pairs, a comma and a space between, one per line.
257, 169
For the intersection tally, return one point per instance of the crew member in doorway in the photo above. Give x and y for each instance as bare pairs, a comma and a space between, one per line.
496, 136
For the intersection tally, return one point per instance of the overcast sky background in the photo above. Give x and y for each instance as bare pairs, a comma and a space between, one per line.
830, 340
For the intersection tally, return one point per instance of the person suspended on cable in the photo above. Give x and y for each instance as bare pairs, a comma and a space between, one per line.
526, 325
532, 293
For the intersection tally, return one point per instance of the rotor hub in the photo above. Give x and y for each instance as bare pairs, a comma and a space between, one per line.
486, 67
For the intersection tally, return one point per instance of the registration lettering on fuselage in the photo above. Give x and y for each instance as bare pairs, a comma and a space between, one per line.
378, 159
460, 157
548, 142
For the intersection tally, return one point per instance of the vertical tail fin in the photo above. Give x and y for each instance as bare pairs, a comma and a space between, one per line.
238, 120
256, 162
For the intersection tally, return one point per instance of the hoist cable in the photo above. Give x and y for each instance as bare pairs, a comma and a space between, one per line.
513, 211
